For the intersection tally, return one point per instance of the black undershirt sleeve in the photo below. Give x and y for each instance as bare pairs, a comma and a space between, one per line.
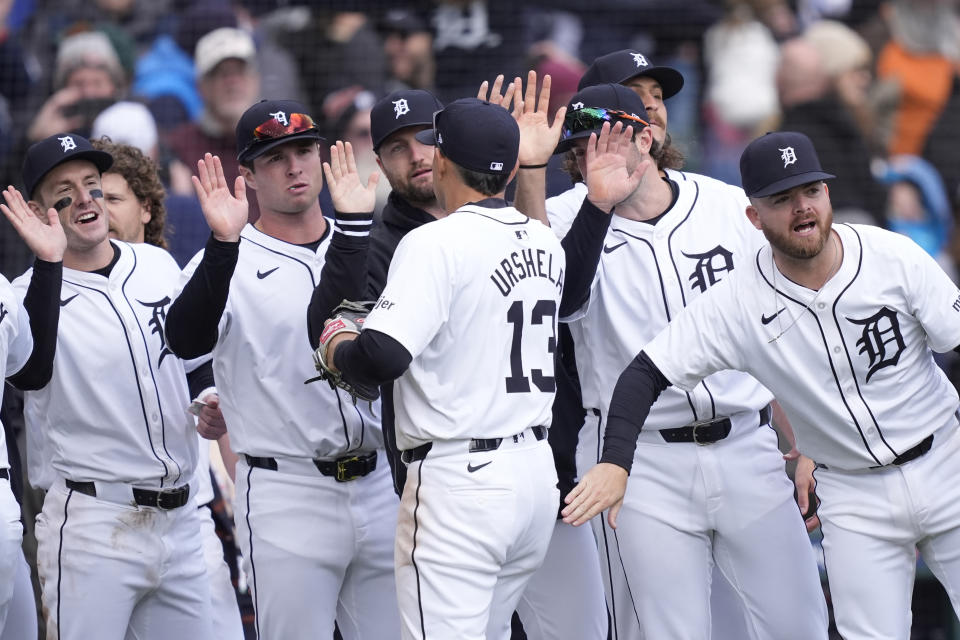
201, 378
344, 273
193, 319
42, 302
639, 386
582, 245
374, 358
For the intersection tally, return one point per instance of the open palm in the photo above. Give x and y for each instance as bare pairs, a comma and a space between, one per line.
608, 177
226, 213
46, 240
347, 191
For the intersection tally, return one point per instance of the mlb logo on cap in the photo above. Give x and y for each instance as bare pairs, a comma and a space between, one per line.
779, 161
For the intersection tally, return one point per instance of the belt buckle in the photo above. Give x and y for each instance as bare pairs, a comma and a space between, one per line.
343, 475
167, 500
697, 425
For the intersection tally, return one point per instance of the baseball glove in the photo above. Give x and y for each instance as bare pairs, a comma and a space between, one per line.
348, 317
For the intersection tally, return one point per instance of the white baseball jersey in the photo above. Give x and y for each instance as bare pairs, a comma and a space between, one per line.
660, 269
115, 408
262, 358
851, 364
16, 344
473, 296
562, 208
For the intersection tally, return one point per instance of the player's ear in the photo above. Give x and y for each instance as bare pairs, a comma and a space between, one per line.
145, 213
249, 177
37, 209
644, 139
753, 216
380, 163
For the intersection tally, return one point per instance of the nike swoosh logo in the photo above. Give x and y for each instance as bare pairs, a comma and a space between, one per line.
607, 249
769, 319
471, 468
264, 274
64, 303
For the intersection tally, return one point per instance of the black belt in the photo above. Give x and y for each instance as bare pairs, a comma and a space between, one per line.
342, 469
477, 445
708, 431
5, 473
914, 452
167, 499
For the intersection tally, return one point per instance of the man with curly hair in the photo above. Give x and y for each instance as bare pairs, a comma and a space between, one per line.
133, 195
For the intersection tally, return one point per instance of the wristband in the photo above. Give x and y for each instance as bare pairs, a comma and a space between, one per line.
533, 166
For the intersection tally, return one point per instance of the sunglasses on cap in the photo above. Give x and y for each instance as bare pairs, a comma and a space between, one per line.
272, 128
592, 118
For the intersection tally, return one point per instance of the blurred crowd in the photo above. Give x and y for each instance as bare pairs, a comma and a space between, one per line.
875, 83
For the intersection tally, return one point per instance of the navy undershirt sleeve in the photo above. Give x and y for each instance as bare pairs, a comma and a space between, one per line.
582, 246
638, 387
374, 358
42, 302
193, 320
201, 378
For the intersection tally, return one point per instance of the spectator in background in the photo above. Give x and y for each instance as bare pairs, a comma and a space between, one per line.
922, 56
408, 46
812, 104
229, 82
129, 123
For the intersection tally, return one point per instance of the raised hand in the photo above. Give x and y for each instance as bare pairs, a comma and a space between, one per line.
46, 240
347, 192
538, 137
608, 157
504, 100
226, 212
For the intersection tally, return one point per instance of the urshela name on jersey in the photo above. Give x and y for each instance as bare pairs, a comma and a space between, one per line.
527, 263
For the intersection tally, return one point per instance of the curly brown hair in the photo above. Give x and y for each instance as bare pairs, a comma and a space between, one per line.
140, 172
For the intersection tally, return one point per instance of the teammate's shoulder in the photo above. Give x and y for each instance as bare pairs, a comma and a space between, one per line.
706, 182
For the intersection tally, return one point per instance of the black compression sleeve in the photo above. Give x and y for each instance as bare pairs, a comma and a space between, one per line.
194, 317
344, 273
201, 378
42, 303
639, 386
582, 245
374, 358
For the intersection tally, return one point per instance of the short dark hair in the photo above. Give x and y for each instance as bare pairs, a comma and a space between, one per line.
140, 172
489, 184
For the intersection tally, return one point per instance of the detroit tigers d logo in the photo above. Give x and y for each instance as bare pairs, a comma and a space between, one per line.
157, 318
881, 340
710, 265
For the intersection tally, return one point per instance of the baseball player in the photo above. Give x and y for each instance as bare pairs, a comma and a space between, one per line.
467, 325
696, 507
840, 323
118, 554
133, 198
564, 598
24, 361
314, 510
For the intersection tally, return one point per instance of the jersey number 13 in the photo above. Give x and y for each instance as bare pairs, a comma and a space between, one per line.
543, 311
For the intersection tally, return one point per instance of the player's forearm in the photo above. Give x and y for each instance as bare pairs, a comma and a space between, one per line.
42, 302
194, 317
639, 386
373, 359
583, 246
344, 273
531, 195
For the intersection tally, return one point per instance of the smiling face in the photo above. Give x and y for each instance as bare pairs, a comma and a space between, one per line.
287, 178
408, 166
796, 222
85, 221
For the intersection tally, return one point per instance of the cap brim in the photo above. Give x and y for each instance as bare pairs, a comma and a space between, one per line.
383, 138
791, 182
567, 143
255, 151
670, 80
427, 136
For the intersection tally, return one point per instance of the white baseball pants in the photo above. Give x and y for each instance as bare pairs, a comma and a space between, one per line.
467, 541
223, 599
691, 508
315, 550
873, 524
112, 571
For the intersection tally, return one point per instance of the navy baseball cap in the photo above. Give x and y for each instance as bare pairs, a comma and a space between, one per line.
42, 157
589, 108
400, 109
270, 123
475, 134
620, 66
778, 161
